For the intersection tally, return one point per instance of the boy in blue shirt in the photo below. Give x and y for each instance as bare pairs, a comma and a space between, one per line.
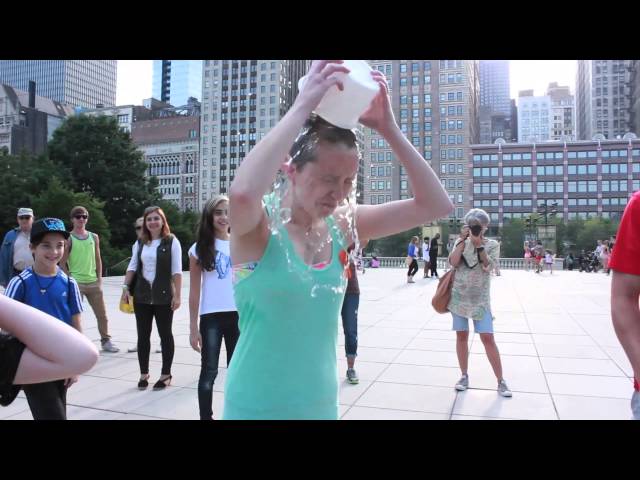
46, 287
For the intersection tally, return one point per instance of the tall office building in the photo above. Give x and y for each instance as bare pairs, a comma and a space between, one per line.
78, 83
436, 105
633, 83
534, 114
241, 101
174, 81
563, 113
602, 98
495, 85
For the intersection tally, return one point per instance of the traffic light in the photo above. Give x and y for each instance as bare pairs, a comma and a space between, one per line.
528, 222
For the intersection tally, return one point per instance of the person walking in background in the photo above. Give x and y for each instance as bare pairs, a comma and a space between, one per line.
538, 253
527, 256
549, 258
15, 254
82, 260
433, 255
412, 259
604, 256
425, 256
349, 315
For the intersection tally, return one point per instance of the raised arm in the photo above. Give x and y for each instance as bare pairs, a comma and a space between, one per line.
430, 200
257, 172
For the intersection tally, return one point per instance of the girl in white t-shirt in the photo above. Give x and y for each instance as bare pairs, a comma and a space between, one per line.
211, 296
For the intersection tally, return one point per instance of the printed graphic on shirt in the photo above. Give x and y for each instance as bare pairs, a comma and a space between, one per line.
223, 264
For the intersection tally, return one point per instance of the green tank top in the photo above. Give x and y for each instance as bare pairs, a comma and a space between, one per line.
82, 259
284, 365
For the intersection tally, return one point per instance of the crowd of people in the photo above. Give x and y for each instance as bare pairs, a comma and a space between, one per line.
246, 270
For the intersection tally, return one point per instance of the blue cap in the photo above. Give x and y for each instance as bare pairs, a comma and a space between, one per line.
47, 225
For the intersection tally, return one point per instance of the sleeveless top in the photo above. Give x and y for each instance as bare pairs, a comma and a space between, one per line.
284, 365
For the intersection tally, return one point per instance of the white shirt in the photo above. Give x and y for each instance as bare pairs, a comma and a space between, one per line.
425, 251
149, 259
216, 294
22, 257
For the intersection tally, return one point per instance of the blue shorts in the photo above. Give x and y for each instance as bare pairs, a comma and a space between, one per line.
461, 324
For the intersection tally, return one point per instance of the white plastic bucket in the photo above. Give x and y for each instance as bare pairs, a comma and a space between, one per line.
344, 108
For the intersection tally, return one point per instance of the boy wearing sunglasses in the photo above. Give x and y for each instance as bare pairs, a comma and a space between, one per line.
82, 260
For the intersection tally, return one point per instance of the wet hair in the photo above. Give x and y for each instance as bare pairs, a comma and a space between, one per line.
206, 234
146, 234
477, 215
314, 131
426, 239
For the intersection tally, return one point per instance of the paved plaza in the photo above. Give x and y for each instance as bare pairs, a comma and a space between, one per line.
560, 357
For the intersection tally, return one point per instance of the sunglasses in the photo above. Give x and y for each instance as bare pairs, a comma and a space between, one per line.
77, 217
24, 217
138, 228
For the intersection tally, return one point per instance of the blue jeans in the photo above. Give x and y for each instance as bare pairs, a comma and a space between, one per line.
213, 327
350, 323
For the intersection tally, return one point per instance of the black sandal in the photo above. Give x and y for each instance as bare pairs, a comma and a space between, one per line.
143, 384
160, 384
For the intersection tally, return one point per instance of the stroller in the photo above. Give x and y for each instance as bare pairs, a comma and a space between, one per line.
590, 263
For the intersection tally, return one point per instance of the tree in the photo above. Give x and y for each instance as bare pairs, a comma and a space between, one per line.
57, 201
393, 245
103, 161
512, 236
183, 226
22, 178
594, 229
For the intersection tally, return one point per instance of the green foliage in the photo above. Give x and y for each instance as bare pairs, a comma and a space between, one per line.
103, 161
393, 245
512, 237
182, 225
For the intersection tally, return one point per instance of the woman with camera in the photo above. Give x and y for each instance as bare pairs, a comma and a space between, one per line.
473, 257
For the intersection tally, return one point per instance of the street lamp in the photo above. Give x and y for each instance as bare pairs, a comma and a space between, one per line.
548, 209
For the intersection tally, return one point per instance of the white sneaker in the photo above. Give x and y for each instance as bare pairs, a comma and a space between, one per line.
503, 389
463, 383
109, 346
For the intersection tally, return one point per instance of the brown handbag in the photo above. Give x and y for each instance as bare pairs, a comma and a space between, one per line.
442, 297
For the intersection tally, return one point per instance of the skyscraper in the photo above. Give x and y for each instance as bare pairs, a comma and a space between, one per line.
241, 101
174, 81
602, 98
563, 113
436, 105
495, 85
79, 83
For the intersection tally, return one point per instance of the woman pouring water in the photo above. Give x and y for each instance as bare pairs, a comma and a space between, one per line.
290, 279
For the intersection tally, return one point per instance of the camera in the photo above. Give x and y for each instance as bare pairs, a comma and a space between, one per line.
475, 230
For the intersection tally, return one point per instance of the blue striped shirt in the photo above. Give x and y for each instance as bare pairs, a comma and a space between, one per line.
60, 300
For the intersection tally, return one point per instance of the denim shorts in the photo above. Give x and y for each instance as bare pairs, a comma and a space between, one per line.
461, 324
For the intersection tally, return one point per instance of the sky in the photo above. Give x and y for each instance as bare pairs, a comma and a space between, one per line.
135, 77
